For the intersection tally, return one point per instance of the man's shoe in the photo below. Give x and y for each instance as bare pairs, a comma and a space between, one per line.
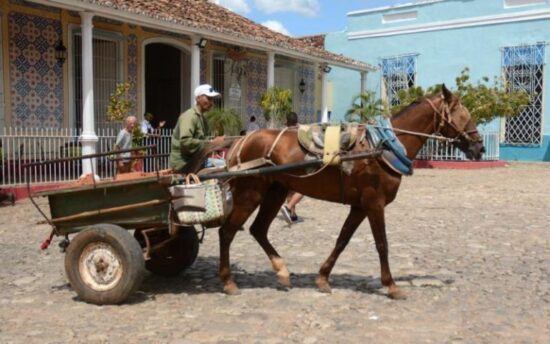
286, 214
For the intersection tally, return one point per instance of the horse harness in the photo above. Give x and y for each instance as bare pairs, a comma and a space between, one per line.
445, 117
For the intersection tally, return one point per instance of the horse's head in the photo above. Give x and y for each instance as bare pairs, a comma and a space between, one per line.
453, 120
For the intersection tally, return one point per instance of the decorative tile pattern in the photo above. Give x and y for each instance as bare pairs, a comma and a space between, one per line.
133, 66
306, 106
256, 76
203, 68
36, 77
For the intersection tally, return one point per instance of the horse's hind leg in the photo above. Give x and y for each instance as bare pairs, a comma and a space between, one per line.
354, 219
378, 228
247, 196
269, 208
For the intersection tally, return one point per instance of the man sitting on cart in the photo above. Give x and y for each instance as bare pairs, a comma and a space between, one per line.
192, 133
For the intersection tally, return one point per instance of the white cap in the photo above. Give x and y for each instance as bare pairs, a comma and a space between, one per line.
206, 90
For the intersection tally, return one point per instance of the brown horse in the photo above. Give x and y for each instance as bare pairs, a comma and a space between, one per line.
368, 189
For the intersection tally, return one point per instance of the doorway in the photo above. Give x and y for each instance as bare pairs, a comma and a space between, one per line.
167, 73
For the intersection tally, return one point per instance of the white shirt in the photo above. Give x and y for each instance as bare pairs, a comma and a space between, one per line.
252, 126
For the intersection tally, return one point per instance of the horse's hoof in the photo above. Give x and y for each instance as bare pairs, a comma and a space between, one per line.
323, 285
397, 295
284, 281
231, 289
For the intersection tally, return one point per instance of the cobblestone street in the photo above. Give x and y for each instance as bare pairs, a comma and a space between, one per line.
470, 248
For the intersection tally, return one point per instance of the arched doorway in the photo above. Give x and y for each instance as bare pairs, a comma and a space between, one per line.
167, 74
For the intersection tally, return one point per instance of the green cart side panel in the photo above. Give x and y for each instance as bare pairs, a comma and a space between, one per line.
75, 201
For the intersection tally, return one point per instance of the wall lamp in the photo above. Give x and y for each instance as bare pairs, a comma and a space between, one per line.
60, 52
202, 43
302, 86
326, 68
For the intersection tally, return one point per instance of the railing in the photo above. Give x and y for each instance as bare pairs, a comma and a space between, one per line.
26, 145
439, 150
20, 146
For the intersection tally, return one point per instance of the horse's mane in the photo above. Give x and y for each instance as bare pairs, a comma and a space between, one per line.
409, 107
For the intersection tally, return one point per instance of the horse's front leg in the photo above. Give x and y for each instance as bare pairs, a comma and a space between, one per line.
354, 219
246, 199
378, 228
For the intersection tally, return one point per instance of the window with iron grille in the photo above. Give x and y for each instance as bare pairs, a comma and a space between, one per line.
107, 73
218, 78
523, 69
398, 73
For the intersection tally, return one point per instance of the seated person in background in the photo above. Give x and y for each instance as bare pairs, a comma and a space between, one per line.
124, 141
192, 133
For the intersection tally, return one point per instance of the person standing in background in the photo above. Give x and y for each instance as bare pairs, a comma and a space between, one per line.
124, 141
252, 125
289, 210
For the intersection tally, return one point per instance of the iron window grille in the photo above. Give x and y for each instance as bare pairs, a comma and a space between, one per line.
218, 79
398, 73
107, 73
523, 69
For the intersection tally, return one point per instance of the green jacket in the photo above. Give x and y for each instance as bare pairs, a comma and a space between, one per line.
189, 137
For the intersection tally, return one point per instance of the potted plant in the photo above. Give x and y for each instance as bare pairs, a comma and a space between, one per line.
276, 103
224, 121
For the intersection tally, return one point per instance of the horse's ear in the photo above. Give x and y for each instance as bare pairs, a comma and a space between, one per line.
448, 95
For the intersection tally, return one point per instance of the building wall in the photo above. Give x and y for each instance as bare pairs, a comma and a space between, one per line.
444, 52
39, 92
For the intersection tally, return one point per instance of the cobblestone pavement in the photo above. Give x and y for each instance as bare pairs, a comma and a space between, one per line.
470, 248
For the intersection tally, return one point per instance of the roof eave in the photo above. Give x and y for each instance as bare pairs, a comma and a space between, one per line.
137, 19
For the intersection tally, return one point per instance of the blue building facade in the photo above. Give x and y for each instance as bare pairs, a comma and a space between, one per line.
431, 42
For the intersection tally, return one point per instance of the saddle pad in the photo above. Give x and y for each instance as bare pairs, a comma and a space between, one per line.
332, 145
312, 137
394, 154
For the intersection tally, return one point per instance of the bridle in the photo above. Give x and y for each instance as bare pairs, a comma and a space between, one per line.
445, 117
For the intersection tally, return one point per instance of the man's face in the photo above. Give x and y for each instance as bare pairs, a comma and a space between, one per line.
204, 103
130, 124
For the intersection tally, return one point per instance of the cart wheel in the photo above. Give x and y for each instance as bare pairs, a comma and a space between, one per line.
104, 264
176, 256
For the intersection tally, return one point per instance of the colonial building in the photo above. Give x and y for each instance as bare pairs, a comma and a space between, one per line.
430, 42
61, 59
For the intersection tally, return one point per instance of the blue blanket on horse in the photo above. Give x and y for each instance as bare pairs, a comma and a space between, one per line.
394, 154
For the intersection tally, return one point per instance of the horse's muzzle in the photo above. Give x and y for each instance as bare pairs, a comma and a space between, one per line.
475, 151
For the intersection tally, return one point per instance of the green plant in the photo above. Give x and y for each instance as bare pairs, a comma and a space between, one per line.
224, 122
276, 103
364, 107
119, 103
485, 102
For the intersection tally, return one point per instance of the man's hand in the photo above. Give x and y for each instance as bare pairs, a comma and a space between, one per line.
218, 140
162, 123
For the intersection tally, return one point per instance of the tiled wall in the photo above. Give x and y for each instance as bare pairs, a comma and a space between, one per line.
35, 76
256, 76
133, 66
306, 106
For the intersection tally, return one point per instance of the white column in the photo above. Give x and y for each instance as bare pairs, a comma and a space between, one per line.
363, 82
270, 69
88, 138
195, 66
324, 95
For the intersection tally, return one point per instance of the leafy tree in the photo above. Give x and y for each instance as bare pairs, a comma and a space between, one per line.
364, 107
276, 103
119, 103
485, 102
224, 122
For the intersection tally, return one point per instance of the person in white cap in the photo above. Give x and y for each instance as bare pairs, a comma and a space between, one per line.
191, 133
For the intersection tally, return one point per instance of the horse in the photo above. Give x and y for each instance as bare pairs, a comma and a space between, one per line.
368, 189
